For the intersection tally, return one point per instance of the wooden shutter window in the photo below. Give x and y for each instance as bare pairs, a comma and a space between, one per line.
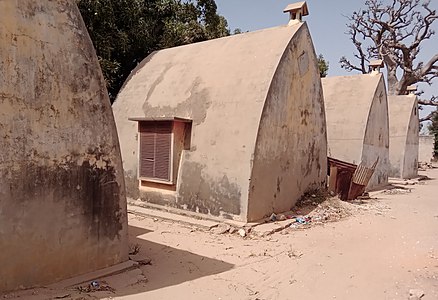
155, 150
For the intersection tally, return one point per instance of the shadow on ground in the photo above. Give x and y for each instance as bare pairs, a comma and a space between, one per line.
169, 266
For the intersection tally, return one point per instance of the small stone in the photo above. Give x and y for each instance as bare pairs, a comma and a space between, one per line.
281, 217
141, 260
221, 229
242, 232
273, 217
232, 230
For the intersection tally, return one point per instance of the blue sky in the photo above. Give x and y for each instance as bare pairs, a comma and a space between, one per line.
326, 22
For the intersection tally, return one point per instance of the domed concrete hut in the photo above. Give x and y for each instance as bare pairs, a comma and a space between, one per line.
426, 149
62, 201
232, 127
357, 122
403, 136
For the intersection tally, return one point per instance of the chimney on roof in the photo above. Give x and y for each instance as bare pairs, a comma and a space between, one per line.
296, 11
375, 66
411, 89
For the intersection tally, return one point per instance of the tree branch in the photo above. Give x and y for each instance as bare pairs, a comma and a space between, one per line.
433, 101
430, 66
393, 32
429, 117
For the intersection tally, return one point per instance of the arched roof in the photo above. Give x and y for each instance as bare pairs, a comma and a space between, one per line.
243, 63
401, 108
348, 100
222, 81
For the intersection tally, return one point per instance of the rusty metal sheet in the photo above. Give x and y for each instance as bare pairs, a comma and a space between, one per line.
340, 177
348, 180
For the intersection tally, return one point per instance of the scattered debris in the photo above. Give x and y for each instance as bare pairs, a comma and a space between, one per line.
423, 166
364, 196
294, 254
134, 249
141, 260
273, 217
331, 210
251, 292
281, 218
95, 286
415, 294
221, 229
423, 178
307, 214
312, 197
397, 191
303, 220
62, 296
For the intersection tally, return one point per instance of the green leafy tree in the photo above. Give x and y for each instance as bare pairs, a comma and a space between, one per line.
124, 32
323, 66
433, 129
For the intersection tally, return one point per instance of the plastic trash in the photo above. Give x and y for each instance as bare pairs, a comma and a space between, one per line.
301, 220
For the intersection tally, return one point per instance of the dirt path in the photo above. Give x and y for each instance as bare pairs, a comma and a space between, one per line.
381, 252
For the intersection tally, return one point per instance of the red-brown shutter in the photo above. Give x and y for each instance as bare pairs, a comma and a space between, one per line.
163, 139
155, 149
147, 149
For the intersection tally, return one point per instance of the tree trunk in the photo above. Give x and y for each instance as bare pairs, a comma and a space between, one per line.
393, 83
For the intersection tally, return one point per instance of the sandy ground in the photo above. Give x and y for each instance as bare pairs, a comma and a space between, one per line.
384, 249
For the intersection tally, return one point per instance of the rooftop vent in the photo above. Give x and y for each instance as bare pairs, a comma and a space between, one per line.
411, 89
297, 11
376, 65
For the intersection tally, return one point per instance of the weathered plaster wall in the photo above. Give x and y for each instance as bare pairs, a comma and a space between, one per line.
404, 136
291, 151
376, 138
426, 146
222, 86
62, 202
357, 122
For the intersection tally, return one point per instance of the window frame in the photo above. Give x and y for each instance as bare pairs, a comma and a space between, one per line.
139, 158
173, 121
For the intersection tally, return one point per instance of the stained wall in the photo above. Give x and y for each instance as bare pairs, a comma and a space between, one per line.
404, 136
426, 146
62, 199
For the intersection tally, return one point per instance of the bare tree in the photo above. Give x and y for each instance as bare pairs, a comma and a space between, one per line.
394, 32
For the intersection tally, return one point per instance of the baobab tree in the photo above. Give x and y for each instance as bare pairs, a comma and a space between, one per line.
395, 31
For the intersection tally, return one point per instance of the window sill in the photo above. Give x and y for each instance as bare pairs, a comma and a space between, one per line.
148, 184
156, 181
